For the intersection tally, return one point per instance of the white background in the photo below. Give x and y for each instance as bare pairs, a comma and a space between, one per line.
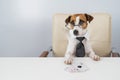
26, 25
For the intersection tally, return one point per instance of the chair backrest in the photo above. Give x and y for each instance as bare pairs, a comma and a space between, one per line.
99, 29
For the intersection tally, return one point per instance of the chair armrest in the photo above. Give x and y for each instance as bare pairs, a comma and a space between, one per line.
49, 52
44, 54
115, 54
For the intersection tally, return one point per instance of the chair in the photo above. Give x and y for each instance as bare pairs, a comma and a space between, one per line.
100, 35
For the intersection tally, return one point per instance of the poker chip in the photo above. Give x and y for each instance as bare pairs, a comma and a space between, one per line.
79, 66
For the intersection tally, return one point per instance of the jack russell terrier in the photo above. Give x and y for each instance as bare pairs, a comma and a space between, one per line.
78, 38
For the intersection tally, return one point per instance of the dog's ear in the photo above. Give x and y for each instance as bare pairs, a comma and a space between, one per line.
89, 17
67, 20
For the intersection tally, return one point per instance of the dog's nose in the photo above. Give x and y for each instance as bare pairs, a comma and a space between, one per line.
75, 32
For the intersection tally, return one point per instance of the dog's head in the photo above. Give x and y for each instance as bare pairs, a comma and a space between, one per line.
77, 24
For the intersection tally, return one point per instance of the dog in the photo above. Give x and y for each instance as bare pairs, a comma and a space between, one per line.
77, 25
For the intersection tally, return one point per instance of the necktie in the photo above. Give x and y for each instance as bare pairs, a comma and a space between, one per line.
80, 49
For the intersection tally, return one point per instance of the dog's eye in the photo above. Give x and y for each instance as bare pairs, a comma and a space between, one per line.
81, 22
72, 23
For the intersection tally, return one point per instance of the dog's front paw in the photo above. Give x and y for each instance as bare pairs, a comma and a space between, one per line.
95, 57
68, 61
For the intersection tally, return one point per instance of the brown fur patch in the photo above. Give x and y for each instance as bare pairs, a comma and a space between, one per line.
82, 17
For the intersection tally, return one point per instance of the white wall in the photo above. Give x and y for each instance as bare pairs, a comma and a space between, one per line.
25, 25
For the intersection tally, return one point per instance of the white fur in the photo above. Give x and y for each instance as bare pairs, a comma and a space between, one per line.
72, 42
77, 20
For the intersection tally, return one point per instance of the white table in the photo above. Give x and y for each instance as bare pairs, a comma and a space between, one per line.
53, 69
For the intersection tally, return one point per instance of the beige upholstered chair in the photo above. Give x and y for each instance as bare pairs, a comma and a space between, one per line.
99, 29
